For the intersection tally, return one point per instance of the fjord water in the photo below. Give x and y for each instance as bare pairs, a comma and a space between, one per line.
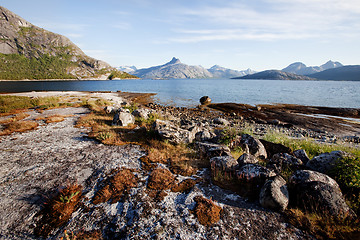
187, 92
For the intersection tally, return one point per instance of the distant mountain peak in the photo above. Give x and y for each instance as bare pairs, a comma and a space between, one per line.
330, 64
302, 69
174, 60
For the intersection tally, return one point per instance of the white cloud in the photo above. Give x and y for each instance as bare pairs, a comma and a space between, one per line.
272, 20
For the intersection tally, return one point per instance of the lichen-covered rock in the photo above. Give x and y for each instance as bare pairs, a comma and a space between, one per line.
123, 119
274, 194
322, 198
251, 178
274, 148
325, 161
223, 169
141, 112
109, 109
169, 131
221, 121
204, 135
209, 150
246, 159
305, 176
301, 154
283, 160
253, 146
225, 163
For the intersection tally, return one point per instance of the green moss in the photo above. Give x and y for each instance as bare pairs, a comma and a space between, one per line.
120, 75
18, 67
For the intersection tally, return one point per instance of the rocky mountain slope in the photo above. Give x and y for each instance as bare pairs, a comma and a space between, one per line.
275, 75
349, 73
30, 52
302, 69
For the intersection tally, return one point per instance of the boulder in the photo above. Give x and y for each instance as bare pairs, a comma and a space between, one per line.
141, 112
221, 121
274, 148
323, 199
274, 194
110, 109
123, 119
251, 178
325, 161
301, 154
209, 150
246, 159
223, 169
253, 146
226, 163
174, 134
205, 100
305, 176
204, 135
283, 160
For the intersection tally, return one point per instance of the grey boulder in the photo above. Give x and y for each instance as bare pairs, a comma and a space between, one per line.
141, 112
246, 159
325, 161
274, 194
253, 146
123, 119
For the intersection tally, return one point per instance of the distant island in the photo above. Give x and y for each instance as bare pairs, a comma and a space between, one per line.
30, 52
275, 75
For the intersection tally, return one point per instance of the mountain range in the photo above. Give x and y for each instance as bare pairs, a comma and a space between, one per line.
30, 52
328, 71
301, 69
176, 69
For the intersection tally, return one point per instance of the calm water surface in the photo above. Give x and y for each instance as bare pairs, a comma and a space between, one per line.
187, 92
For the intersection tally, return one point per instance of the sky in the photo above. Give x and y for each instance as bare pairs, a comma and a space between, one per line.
256, 34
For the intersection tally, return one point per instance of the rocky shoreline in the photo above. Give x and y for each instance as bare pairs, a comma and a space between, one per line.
36, 163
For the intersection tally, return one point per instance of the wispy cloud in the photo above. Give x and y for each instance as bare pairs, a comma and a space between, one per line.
122, 26
271, 20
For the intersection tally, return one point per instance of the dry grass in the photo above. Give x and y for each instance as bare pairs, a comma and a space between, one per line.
206, 211
324, 227
161, 179
115, 187
184, 186
58, 210
17, 117
18, 126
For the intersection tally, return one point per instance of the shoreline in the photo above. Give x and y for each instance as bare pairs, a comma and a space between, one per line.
322, 120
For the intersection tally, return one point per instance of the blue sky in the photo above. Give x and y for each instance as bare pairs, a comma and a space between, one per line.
256, 34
